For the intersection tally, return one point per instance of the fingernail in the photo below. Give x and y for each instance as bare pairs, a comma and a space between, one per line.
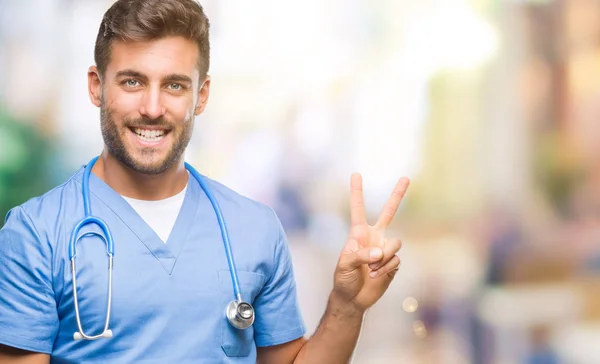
375, 253
373, 274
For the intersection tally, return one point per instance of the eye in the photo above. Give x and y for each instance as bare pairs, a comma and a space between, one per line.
176, 86
131, 83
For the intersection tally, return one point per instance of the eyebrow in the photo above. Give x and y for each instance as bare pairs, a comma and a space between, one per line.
173, 77
131, 73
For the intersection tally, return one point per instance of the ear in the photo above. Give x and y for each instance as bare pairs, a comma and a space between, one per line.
203, 94
95, 86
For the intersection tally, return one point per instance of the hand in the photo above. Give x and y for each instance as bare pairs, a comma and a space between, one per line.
368, 262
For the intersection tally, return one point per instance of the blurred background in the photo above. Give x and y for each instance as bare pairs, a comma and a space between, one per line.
489, 106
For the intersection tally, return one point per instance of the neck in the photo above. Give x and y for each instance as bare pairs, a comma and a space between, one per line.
129, 183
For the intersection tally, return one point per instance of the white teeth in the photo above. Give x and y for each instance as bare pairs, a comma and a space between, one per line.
149, 135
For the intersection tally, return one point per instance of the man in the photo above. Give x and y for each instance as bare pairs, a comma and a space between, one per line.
171, 275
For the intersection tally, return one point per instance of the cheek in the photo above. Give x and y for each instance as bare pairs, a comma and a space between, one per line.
123, 106
189, 115
181, 109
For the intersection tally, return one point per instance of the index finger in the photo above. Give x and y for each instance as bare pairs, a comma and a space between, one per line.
391, 206
357, 201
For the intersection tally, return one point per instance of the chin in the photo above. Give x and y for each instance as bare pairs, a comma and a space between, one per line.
145, 165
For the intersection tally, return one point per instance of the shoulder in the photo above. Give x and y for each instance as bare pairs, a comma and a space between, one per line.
244, 206
255, 224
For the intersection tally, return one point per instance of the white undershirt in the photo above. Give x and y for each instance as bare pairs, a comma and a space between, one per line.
159, 215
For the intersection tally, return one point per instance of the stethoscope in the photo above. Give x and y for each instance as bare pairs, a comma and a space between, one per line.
239, 313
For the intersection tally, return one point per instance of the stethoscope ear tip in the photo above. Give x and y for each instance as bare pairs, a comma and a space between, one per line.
108, 334
77, 336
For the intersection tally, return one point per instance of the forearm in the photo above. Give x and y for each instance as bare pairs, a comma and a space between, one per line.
9, 355
335, 339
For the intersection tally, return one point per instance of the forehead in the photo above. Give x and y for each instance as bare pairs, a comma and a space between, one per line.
158, 57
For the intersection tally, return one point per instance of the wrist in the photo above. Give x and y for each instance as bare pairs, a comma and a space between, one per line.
341, 307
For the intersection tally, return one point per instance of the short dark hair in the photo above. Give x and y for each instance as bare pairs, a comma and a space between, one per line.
146, 20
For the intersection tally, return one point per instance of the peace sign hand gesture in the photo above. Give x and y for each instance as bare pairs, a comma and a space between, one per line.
368, 261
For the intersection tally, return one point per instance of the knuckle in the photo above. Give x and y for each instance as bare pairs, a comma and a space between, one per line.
397, 244
393, 246
392, 273
394, 262
360, 232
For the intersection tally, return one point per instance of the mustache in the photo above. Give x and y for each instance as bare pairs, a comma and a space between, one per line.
141, 122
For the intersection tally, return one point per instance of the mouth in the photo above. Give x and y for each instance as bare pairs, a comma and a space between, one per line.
149, 135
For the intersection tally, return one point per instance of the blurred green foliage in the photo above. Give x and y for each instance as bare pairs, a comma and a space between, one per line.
25, 162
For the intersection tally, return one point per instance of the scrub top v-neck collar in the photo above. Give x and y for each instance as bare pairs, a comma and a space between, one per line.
168, 253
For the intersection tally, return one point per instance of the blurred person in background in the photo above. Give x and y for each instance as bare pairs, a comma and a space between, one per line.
150, 81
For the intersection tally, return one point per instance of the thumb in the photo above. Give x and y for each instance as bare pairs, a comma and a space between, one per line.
349, 261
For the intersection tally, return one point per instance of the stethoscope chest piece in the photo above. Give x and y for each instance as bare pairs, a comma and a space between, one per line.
240, 314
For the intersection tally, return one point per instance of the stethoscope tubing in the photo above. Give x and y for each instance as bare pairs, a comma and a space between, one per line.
232, 312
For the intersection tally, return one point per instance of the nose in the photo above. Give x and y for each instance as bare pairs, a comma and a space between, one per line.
151, 105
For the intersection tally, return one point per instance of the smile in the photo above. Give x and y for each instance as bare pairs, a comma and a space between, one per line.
150, 135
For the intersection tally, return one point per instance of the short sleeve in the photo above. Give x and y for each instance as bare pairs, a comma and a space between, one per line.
278, 317
28, 315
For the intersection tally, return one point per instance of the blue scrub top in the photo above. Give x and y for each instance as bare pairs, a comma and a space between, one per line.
169, 299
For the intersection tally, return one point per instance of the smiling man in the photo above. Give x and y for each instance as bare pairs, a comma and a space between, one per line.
180, 248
